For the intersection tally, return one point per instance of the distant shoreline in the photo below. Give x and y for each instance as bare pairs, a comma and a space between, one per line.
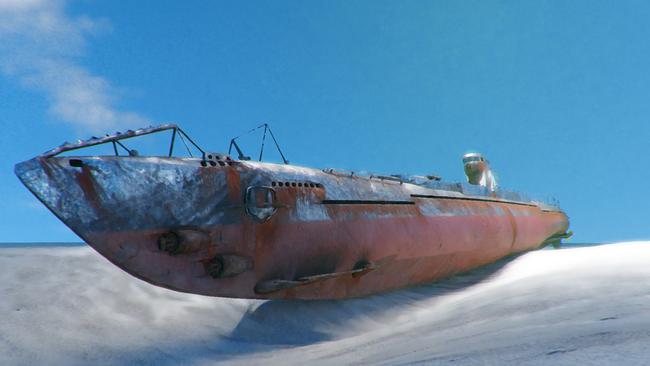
41, 245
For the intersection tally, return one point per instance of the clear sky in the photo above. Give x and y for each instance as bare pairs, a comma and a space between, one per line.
554, 93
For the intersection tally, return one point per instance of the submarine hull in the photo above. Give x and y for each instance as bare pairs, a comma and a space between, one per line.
259, 230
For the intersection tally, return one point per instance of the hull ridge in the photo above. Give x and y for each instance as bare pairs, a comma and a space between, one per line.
248, 229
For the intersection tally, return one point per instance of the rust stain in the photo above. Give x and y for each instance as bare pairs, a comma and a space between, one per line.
335, 234
513, 224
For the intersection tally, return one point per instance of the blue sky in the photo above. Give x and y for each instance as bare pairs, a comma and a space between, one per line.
554, 93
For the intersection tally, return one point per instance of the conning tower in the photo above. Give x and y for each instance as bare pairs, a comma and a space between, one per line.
478, 172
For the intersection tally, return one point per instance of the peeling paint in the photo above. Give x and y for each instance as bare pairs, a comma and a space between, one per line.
322, 222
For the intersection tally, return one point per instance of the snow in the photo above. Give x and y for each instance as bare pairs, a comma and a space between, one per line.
590, 305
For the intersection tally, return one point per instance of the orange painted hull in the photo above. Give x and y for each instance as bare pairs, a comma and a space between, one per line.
326, 226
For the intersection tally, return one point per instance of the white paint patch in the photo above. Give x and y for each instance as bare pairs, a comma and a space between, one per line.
307, 210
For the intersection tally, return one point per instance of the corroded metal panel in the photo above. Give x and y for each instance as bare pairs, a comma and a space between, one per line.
231, 227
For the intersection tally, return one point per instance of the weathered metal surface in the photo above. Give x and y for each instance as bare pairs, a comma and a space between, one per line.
227, 228
265, 287
70, 146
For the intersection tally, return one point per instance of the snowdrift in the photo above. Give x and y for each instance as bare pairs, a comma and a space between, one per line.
591, 305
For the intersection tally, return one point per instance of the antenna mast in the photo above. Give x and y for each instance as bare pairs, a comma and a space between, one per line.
267, 128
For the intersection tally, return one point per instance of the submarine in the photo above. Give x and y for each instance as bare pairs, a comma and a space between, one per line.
217, 225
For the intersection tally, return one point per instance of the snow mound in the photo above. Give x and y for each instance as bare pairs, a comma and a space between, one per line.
591, 305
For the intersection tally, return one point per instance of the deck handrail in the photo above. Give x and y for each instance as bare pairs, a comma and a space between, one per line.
119, 136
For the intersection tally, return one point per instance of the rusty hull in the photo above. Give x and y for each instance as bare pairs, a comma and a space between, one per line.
330, 236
